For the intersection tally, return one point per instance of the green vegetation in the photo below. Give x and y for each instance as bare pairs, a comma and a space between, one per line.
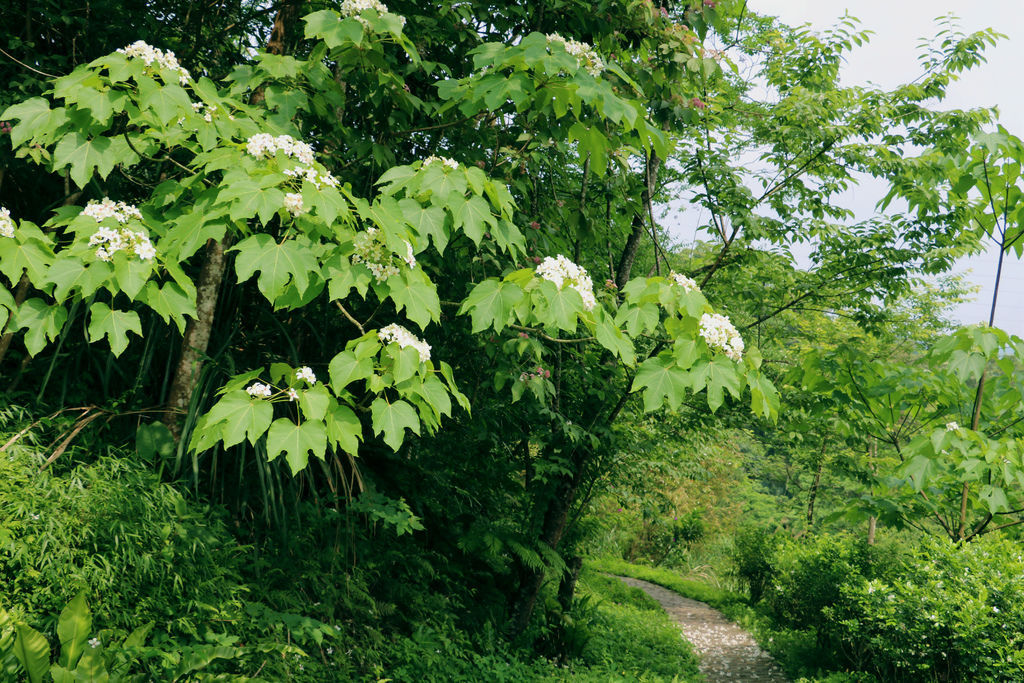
335, 335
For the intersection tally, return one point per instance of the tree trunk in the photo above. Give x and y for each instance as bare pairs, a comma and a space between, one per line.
872, 522
197, 336
20, 292
639, 225
814, 489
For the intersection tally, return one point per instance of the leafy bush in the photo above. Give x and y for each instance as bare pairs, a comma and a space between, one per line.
948, 613
807, 576
752, 556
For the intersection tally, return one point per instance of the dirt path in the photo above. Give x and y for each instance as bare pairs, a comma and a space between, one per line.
727, 652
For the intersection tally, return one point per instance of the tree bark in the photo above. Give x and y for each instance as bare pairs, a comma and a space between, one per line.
872, 523
197, 336
639, 224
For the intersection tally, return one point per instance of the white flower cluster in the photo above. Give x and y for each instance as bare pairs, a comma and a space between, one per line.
109, 241
396, 334
952, 426
311, 175
207, 110
263, 145
449, 163
6, 223
306, 373
584, 54
688, 284
293, 202
562, 272
108, 208
374, 254
353, 8
259, 390
148, 54
720, 334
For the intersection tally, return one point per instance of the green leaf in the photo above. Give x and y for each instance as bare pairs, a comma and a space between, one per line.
239, 416
415, 293
154, 442
168, 101
637, 319
250, 199
611, 337
490, 304
291, 261
30, 256
32, 652
919, 469
114, 325
344, 428
296, 441
660, 380
314, 402
42, 320
169, 302
427, 222
85, 155
73, 629
68, 274
721, 376
475, 217
562, 307
34, 117
392, 419
346, 368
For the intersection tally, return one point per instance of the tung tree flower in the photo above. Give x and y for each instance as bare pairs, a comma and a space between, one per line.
564, 272
140, 49
719, 333
396, 334
6, 223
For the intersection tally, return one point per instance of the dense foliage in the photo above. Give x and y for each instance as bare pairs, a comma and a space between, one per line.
344, 330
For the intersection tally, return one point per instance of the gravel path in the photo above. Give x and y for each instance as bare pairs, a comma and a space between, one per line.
727, 652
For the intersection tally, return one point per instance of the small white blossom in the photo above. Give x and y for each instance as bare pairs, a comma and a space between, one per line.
293, 202
564, 272
396, 334
149, 54
292, 395
6, 223
109, 241
952, 426
264, 145
353, 8
371, 251
306, 373
585, 55
719, 333
108, 208
34, 516
311, 175
94, 643
259, 390
688, 284
448, 163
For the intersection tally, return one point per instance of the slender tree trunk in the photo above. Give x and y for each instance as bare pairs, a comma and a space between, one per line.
872, 523
20, 292
197, 336
814, 494
639, 224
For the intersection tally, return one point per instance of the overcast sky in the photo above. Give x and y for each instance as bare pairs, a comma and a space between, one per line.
891, 58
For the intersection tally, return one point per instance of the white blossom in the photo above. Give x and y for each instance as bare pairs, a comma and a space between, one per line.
109, 241
353, 8
585, 55
259, 390
448, 163
94, 643
688, 284
108, 208
720, 334
317, 178
564, 272
265, 145
293, 202
306, 373
292, 395
952, 426
6, 223
370, 250
149, 54
396, 334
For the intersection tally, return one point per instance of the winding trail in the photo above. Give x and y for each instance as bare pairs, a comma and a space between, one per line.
728, 654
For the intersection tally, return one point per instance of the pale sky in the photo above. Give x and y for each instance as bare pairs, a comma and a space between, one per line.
890, 58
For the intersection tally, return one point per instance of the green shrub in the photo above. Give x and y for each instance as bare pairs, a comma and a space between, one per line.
751, 555
807, 576
947, 613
